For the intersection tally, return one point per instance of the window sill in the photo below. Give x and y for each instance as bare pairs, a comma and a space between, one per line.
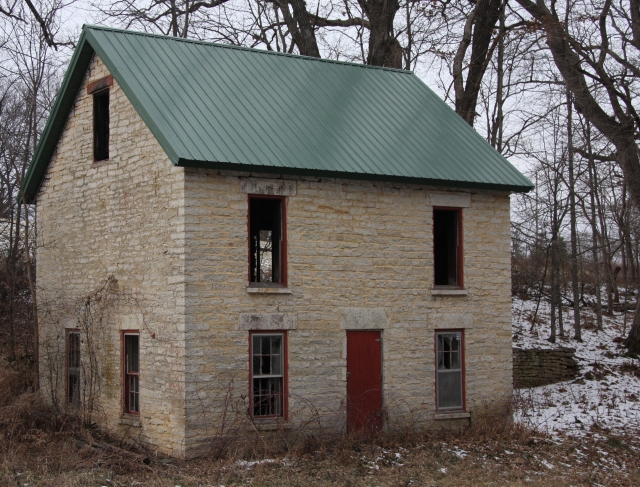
268, 290
130, 421
270, 424
452, 415
449, 292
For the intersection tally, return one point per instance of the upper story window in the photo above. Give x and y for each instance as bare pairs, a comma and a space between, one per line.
447, 247
101, 126
100, 91
267, 241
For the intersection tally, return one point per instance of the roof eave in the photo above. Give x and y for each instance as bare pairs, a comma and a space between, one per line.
57, 120
233, 166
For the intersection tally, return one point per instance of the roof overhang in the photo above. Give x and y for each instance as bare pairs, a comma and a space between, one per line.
88, 45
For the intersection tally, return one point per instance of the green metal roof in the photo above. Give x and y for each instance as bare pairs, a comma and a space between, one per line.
225, 107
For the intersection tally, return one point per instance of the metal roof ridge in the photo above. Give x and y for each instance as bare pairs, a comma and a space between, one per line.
248, 49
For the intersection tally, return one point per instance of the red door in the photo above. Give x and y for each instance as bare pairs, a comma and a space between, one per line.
364, 381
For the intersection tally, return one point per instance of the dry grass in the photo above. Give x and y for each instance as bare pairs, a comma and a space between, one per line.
38, 448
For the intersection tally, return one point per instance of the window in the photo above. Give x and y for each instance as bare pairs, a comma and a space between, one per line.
131, 372
73, 367
267, 243
101, 125
447, 247
449, 374
268, 374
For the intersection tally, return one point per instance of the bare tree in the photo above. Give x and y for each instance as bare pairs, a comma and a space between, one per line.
601, 62
29, 78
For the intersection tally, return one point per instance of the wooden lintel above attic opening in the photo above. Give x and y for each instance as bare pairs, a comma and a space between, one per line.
99, 84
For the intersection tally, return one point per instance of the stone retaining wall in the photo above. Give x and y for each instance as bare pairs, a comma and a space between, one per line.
539, 367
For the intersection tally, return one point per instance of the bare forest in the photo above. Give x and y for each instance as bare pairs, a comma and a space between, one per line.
550, 85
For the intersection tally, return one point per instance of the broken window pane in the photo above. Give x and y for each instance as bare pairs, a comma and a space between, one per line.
266, 255
267, 397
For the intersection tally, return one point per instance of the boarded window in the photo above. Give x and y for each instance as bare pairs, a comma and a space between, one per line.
447, 247
266, 241
449, 370
267, 374
101, 125
131, 358
73, 367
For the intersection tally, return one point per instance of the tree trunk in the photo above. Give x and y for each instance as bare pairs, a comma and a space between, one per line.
306, 38
554, 265
384, 48
594, 230
632, 342
575, 286
497, 129
34, 303
482, 21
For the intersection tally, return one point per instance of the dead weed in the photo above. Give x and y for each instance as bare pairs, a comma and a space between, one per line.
39, 448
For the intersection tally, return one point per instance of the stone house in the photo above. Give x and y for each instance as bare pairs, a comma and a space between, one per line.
292, 240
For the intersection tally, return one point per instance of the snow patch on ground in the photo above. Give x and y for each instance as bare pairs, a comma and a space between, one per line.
604, 399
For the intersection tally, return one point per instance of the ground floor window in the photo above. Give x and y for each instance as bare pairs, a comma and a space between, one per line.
73, 367
449, 374
131, 372
268, 395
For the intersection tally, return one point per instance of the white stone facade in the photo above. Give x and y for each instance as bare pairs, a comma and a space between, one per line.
175, 240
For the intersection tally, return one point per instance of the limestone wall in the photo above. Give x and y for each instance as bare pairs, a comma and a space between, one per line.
123, 218
359, 256
175, 241
538, 367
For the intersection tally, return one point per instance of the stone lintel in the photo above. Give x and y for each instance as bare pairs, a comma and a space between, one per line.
450, 320
134, 321
268, 321
276, 187
450, 199
363, 319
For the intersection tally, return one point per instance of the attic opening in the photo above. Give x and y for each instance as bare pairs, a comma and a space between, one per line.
101, 125
447, 247
266, 240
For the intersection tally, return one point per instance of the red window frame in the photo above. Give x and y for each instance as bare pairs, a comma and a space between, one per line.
283, 256
127, 375
459, 253
69, 368
285, 373
463, 372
